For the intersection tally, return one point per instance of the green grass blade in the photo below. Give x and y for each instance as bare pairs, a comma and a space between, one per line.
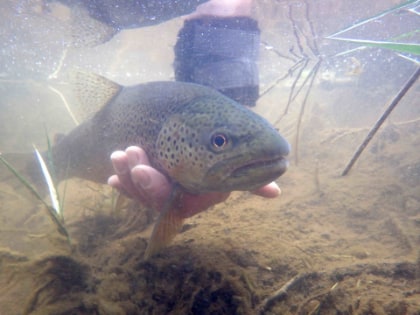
377, 16
51, 212
50, 162
22, 180
400, 47
405, 35
51, 188
417, 62
52, 172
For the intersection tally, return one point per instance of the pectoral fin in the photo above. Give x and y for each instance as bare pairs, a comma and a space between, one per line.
167, 226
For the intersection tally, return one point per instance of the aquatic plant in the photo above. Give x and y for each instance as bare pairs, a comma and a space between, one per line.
414, 77
391, 43
305, 54
55, 210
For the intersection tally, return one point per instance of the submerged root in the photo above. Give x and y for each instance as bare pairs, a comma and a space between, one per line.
58, 279
281, 294
136, 218
305, 291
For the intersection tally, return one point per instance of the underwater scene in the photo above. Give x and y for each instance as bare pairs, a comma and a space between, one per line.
268, 157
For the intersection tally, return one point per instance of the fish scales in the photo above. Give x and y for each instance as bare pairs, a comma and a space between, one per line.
174, 122
134, 116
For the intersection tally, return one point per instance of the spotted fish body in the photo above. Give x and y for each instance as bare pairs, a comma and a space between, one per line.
201, 140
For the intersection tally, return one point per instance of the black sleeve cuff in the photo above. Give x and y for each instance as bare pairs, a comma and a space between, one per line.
220, 53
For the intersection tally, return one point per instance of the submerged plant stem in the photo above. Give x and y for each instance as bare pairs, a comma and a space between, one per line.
312, 77
50, 210
380, 121
53, 192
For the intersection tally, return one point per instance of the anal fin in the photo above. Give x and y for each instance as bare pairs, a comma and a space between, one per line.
167, 226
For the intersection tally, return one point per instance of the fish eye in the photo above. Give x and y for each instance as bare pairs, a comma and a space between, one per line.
219, 141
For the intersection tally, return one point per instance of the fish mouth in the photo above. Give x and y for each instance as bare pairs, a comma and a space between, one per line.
269, 168
249, 174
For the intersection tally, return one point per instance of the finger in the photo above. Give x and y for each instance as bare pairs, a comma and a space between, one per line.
114, 182
120, 162
151, 185
271, 190
136, 156
123, 181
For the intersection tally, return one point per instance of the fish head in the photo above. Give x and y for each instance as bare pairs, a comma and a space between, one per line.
215, 144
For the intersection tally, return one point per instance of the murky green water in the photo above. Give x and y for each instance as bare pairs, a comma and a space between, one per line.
347, 245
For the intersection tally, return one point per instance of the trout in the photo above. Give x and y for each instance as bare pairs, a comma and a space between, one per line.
200, 139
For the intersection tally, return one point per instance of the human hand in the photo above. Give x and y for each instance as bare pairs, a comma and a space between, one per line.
222, 8
137, 179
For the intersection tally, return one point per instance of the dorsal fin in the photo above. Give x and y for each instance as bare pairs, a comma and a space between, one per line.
92, 92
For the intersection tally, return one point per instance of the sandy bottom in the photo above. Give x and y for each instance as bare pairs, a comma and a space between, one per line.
328, 245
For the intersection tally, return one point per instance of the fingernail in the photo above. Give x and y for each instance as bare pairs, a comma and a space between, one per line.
119, 166
142, 179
